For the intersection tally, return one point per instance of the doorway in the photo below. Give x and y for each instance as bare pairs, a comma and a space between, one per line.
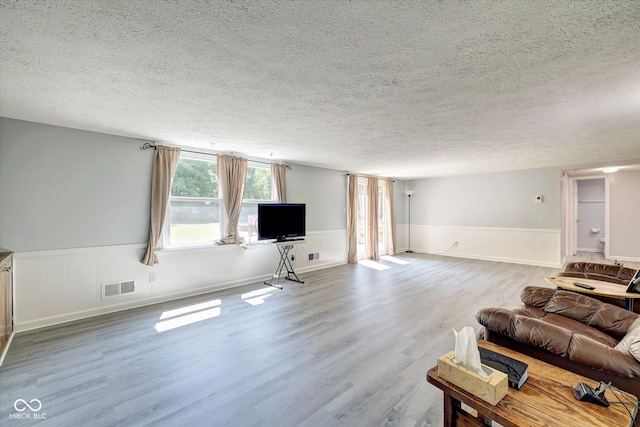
587, 216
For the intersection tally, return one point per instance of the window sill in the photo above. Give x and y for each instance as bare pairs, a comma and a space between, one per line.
207, 247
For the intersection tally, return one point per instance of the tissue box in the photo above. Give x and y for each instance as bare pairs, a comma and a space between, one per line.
490, 389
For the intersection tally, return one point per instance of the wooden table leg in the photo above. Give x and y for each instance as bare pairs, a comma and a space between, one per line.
451, 407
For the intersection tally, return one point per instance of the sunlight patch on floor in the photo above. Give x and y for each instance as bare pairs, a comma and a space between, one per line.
257, 297
394, 260
188, 315
373, 264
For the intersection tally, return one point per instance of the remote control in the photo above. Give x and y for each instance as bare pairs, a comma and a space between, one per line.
583, 285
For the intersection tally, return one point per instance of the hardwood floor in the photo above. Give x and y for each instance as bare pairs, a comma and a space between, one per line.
350, 347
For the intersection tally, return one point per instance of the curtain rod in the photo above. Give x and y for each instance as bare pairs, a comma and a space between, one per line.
148, 145
367, 176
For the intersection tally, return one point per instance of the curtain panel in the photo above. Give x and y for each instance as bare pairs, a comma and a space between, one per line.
164, 167
232, 173
371, 243
352, 219
391, 219
279, 175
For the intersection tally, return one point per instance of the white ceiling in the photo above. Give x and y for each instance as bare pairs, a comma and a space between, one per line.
403, 89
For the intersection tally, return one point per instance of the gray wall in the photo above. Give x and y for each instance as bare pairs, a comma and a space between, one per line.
67, 188
505, 199
325, 193
591, 198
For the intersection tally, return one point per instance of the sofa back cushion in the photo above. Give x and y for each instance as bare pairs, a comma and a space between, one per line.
605, 317
625, 274
601, 269
575, 267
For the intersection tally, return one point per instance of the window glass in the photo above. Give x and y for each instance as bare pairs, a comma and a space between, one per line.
196, 211
195, 178
257, 189
194, 206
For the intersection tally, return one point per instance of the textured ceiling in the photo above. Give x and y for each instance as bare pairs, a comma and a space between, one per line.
403, 89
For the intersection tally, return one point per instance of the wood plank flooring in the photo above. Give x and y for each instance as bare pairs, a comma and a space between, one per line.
350, 347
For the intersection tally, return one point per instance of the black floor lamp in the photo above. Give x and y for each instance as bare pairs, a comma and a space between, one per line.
409, 193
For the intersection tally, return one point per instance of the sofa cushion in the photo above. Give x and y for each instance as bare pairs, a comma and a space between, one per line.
607, 318
625, 274
576, 267
588, 352
601, 269
550, 331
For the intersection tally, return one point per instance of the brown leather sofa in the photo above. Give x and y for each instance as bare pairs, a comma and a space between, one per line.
605, 273
573, 331
602, 272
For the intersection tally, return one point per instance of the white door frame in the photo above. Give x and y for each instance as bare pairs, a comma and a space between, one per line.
571, 202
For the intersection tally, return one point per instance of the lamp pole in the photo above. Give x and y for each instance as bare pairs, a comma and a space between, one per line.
409, 193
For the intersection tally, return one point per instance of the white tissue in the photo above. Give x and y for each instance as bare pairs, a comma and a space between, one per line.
467, 353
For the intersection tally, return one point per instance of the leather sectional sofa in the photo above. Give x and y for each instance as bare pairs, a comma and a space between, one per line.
605, 273
573, 331
602, 272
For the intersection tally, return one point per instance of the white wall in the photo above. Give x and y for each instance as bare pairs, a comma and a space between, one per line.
624, 215
75, 210
491, 216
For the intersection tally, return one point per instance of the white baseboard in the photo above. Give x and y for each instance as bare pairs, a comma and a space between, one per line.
539, 247
591, 250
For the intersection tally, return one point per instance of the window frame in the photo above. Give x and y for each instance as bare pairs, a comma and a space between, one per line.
166, 228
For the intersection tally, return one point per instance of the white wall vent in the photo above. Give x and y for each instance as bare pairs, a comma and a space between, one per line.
110, 290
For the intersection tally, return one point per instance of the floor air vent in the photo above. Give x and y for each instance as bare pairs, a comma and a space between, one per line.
110, 290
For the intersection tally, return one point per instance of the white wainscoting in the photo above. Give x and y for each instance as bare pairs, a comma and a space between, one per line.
58, 286
516, 245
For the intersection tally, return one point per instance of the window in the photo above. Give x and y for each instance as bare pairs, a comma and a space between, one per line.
382, 217
258, 188
363, 220
195, 208
196, 212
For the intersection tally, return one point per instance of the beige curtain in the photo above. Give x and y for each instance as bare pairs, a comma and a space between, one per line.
352, 220
232, 173
279, 174
164, 166
391, 219
372, 219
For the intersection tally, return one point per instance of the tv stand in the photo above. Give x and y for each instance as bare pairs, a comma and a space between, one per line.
283, 249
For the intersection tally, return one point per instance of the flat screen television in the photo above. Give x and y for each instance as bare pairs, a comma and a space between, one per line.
281, 221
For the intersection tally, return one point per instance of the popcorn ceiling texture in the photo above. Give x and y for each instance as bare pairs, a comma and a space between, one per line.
404, 89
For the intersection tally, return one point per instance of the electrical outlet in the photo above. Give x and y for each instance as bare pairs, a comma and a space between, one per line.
310, 257
152, 277
293, 257
455, 244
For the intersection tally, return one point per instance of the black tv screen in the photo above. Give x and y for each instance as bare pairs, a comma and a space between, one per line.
281, 221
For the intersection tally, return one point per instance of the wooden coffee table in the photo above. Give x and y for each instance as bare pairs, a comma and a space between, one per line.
603, 289
546, 399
